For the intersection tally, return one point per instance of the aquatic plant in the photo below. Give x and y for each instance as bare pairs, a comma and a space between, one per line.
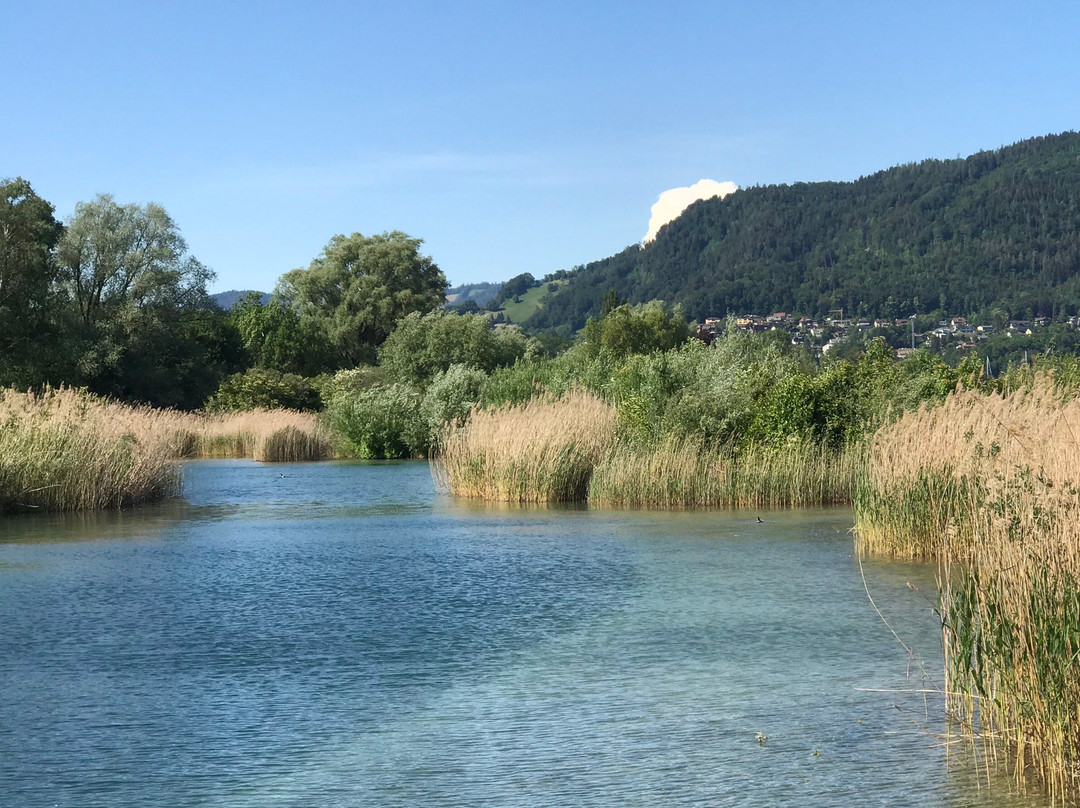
568, 448
988, 485
1010, 606
268, 435
680, 473
930, 472
542, 451
62, 450
65, 449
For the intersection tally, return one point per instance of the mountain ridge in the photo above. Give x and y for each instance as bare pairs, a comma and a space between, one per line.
999, 229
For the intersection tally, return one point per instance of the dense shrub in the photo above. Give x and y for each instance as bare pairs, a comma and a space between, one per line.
264, 389
348, 382
383, 421
451, 396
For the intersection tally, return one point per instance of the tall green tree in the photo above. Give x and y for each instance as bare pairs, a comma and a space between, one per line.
28, 234
361, 286
513, 288
119, 255
139, 301
277, 338
637, 329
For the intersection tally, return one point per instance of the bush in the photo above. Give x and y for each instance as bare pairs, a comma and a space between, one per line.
382, 422
265, 389
451, 396
348, 382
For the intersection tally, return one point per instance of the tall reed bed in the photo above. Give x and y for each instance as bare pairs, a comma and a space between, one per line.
268, 435
62, 450
681, 473
1011, 617
542, 451
68, 450
929, 473
566, 449
988, 485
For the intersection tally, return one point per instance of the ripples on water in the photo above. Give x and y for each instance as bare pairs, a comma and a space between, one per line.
341, 635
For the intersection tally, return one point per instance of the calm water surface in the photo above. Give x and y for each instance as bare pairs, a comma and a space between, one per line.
344, 636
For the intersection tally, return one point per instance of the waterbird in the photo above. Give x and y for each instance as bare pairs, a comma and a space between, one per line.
759, 521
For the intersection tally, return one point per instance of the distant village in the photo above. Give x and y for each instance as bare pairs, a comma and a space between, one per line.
821, 336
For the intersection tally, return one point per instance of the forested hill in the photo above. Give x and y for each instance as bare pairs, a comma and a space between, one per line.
999, 229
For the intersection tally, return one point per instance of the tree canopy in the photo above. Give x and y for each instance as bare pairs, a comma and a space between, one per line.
361, 286
277, 338
423, 345
640, 329
28, 234
114, 255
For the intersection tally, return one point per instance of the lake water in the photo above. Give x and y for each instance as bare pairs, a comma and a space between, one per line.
339, 634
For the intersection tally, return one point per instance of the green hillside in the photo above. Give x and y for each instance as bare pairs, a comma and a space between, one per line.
997, 230
527, 305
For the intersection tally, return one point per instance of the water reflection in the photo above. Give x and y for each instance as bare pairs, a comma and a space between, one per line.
141, 523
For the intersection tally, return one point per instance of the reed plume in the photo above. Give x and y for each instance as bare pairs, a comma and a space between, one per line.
542, 451
64, 449
988, 485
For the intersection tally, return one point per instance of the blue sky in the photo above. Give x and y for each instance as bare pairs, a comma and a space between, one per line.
510, 137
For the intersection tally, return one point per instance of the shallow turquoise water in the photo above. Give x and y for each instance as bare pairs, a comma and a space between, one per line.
342, 635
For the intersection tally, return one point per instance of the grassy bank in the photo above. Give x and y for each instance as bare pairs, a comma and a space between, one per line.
65, 450
988, 486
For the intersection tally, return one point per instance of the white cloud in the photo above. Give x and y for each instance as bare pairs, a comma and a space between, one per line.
672, 203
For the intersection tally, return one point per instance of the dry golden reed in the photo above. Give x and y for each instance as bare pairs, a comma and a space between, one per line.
566, 450
682, 473
928, 471
542, 451
63, 450
269, 435
68, 450
988, 485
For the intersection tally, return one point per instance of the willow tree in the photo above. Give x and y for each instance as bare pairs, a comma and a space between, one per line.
361, 286
139, 303
113, 256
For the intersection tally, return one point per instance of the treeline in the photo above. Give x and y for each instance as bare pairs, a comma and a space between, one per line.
744, 392
997, 230
112, 301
